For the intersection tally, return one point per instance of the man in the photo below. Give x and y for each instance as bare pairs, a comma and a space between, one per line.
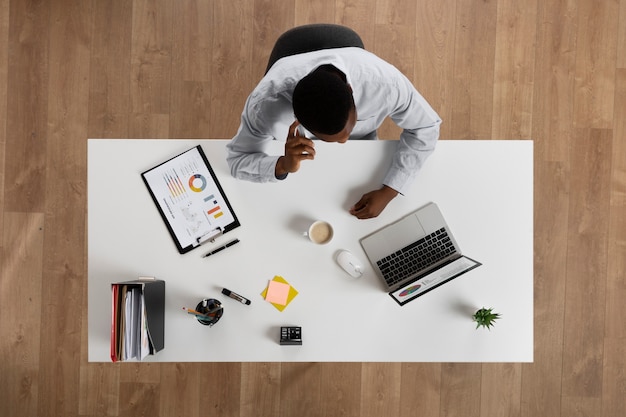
336, 95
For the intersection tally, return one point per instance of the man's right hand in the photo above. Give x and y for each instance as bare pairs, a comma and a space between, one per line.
297, 148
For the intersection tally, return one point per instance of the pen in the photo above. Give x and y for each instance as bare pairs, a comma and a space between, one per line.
221, 248
236, 296
202, 315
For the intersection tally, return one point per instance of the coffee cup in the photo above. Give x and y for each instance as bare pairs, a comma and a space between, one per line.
320, 232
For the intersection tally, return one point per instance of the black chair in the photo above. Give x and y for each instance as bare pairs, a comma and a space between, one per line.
309, 38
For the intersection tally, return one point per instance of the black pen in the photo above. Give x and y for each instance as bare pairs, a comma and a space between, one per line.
235, 296
221, 248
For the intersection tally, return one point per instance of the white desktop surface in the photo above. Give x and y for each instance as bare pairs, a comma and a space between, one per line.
483, 188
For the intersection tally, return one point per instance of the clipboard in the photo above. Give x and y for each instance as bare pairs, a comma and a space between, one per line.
190, 199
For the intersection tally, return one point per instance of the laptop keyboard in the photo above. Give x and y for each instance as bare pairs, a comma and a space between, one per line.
416, 256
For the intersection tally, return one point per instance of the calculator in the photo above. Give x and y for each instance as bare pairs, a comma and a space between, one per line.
291, 336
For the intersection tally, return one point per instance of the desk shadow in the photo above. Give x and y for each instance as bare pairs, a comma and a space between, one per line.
374, 175
462, 308
300, 223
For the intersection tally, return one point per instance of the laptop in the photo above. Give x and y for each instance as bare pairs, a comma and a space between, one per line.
416, 254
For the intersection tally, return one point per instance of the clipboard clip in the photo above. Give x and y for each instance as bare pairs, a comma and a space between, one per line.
209, 236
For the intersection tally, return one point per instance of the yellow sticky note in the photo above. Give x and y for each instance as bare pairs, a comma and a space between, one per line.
292, 293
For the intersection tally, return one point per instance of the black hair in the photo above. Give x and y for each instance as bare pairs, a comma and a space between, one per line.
322, 101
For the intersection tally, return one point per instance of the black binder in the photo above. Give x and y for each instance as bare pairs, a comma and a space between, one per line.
132, 336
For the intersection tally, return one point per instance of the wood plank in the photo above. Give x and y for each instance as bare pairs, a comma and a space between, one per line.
420, 393
621, 37
514, 69
460, 389
313, 11
614, 377
393, 13
151, 56
358, 15
341, 390
192, 40
139, 399
99, 389
271, 19
144, 125
140, 373
181, 390
380, 389
63, 292
472, 90
616, 277
586, 264
541, 381
190, 96
260, 389
582, 407
596, 47
300, 389
4, 69
190, 109
553, 96
21, 259
24, 180
222, 382
500, 393
109, 77
231, 82
434, 58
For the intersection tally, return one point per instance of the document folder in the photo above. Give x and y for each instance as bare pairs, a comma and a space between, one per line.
137, 319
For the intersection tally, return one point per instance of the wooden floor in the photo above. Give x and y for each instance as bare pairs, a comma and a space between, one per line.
549, 70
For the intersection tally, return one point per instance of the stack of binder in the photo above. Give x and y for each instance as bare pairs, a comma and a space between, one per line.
138, 319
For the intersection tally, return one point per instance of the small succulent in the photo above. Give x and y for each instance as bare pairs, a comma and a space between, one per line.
485, 317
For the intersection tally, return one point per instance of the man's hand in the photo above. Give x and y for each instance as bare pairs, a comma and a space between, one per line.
373, 203
297, 148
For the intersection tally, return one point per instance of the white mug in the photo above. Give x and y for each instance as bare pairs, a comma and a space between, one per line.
320, 232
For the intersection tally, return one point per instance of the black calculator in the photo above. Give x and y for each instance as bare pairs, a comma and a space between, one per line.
291, 336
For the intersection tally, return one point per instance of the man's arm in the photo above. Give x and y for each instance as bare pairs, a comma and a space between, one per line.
414, 147
373, 203
246, 155
420, 124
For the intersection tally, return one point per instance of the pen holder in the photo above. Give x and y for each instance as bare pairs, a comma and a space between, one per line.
205, 306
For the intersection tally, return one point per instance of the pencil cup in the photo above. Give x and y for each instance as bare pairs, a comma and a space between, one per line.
212, 308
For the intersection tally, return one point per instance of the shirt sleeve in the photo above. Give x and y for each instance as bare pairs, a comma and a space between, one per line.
420, 124
246, 155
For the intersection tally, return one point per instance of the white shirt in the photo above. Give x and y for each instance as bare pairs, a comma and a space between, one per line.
379, 90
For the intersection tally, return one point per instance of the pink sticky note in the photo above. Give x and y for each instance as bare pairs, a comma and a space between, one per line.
277, 292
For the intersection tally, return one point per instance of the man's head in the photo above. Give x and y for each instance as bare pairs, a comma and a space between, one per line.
323, 104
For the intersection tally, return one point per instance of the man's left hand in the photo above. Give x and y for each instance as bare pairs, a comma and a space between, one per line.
373, 203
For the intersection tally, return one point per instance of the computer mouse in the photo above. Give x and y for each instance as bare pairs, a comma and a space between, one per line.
350, 263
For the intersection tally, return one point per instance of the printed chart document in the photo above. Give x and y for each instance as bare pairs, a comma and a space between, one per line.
434, 279
190, 199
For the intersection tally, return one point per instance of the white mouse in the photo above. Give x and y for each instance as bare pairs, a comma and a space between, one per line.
350, 263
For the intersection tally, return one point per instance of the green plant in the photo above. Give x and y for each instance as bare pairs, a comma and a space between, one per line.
485, 317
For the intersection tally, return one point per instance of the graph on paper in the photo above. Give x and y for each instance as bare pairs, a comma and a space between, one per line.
190, 198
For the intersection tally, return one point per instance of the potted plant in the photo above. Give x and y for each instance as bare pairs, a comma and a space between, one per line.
485, 317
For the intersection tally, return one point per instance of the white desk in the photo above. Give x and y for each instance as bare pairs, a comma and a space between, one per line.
484, 189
